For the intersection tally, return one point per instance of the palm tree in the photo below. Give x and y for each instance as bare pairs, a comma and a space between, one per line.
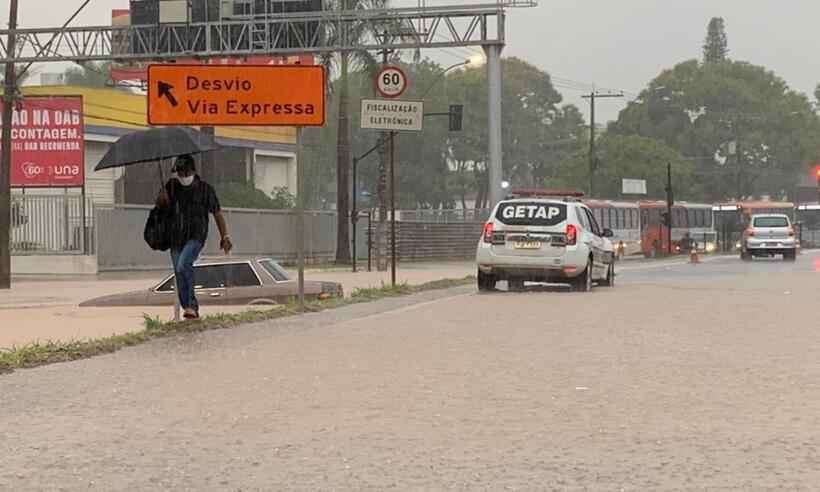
346, 62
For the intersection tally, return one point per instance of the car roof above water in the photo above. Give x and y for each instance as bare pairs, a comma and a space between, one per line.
779, 216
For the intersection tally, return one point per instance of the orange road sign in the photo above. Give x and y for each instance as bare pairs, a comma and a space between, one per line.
236, 95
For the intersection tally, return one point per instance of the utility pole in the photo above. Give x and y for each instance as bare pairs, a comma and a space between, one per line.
670, 201
593, 160
381, 186
9, 93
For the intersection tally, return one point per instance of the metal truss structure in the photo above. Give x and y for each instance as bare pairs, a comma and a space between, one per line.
314, 32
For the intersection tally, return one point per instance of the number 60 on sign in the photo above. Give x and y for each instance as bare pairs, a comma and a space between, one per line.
391, 82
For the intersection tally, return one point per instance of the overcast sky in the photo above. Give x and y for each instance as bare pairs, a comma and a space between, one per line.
614, 45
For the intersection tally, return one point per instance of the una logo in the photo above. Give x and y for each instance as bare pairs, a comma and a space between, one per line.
530, 212
32, 170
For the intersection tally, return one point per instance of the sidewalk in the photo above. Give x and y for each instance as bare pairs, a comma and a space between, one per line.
41, 309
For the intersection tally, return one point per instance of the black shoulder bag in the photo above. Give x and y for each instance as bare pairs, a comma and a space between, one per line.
159, 229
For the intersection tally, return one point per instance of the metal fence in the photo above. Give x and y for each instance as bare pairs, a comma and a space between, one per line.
51, 225
54, 225
120, 245
810, 238
449, 216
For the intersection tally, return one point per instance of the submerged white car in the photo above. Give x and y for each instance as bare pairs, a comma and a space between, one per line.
540, 239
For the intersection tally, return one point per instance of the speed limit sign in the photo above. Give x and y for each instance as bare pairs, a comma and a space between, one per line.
391, 82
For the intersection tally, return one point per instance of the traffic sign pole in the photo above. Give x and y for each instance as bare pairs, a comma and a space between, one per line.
392, 210
300, 200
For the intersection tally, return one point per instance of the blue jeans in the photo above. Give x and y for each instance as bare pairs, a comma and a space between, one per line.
183, 260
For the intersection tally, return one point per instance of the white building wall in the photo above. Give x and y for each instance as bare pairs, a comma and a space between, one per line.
273, 170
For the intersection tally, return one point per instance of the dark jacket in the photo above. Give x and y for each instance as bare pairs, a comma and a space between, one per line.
190, 206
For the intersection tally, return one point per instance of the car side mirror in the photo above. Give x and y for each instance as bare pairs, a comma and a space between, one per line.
608, 233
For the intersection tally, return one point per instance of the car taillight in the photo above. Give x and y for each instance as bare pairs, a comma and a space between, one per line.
572, 235
488, 232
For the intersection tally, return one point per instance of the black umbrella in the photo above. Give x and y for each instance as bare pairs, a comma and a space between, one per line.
156, 144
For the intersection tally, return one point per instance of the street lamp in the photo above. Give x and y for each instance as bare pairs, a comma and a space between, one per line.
442, 74
478, 59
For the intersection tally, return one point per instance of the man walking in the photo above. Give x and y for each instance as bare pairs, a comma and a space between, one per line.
191, 200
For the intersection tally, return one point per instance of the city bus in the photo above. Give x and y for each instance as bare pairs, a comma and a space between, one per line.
623, 219
692, 220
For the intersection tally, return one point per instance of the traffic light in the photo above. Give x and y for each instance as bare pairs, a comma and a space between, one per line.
456, 114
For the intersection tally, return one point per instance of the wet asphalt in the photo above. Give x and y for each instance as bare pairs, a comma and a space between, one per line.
682, 377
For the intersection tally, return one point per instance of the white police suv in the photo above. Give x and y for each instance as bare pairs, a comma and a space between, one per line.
544, 236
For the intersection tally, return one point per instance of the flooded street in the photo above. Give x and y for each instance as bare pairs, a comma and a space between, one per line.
610, 390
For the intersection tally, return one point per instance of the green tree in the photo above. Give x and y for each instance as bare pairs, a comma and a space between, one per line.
345, 61
746, 131
89, 74
421, 158
632, 157
282, 198
437, 168
716, 46
234, 194
538, 134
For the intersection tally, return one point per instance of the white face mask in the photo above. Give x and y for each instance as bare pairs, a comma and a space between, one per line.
186, 181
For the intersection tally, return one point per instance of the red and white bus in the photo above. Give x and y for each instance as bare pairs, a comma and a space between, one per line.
694, 220
637, 226
623, 219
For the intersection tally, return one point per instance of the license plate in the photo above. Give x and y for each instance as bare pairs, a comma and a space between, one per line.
527, 245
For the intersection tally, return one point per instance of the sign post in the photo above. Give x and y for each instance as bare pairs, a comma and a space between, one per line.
243, 95
393, 116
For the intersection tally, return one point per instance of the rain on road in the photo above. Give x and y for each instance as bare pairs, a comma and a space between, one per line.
682, 377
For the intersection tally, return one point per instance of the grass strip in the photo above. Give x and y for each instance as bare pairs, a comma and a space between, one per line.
51, 352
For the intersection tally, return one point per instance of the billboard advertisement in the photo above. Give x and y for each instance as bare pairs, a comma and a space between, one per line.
47, 135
